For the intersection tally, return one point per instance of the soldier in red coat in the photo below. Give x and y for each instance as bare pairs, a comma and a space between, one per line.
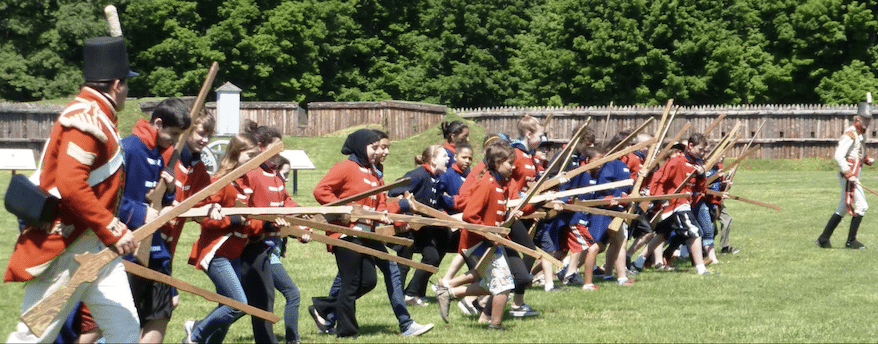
82, 166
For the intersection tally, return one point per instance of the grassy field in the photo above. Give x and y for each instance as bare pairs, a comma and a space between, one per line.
780, 288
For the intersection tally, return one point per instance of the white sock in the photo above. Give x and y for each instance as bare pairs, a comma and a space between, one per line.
549, 285
700, 269
622, 280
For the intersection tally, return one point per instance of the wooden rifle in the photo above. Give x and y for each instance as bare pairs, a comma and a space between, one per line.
38, 317
155, 195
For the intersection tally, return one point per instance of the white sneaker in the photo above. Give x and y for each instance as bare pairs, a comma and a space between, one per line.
416, 329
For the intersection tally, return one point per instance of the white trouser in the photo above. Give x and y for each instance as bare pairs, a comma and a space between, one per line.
859, 203
108, 297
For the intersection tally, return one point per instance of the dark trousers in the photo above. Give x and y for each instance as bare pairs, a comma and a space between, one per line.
258, 283
431, 242
358, 277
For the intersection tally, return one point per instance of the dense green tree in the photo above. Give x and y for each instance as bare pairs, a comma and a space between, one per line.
460, 53
41, 46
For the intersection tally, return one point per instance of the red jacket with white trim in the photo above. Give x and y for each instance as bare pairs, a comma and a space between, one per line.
225, 237
84, 144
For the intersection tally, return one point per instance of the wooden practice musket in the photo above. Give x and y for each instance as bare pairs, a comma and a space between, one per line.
605, 201
752, 139
742, 199
269, 213
419, 221
713, 160
150, 274
568, 154
667, 148
494, 237
155, 195
733, 165
329, 227
556, 180
295, 231
627, 140
574, 192
38, 317
598, 211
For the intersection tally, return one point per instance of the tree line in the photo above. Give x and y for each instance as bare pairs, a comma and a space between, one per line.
460, 53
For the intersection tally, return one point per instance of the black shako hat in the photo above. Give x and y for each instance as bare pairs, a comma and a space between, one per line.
105, 59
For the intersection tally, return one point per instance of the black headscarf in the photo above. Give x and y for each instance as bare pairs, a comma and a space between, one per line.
355, 146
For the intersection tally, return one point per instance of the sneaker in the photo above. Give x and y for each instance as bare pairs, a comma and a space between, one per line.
523, 311
730, 250
823, 243
561, 273
639, 262
495, 327
538, 281
574, 279
188, 327
443, 297
416, 301
320, 321
416, 329
467, 308
856, 245
590, 286
599, 272
557, 289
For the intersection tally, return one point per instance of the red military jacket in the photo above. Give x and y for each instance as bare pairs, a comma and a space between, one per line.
82, 163
347, 178
223, 237
486, 206
188, 181
670, 176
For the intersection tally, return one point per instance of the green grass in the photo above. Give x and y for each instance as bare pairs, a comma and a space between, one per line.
780, 288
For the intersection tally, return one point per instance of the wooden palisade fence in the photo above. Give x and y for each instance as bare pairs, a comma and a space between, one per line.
791, 131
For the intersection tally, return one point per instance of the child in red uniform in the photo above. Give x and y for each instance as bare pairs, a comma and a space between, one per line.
222, 241
677, 216
357, 270
487, 206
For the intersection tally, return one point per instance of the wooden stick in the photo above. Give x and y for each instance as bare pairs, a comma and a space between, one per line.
581, 169
735, 170
607, 123
142, 271
359, 213
604, 201
535, 189
733, 165
742, 199
38, 317
574, 141
269, 213
375, 191
599, 211
667, 148
867, 188
298, 232
350, 232
574, 192
714, 124
497, 239
631, 136
155, 195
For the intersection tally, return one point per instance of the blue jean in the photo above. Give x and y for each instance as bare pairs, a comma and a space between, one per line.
393, 284
224, 273
701, 210
286, 286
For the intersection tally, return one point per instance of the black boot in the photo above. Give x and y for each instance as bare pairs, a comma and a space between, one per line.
852, 235
823, 240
